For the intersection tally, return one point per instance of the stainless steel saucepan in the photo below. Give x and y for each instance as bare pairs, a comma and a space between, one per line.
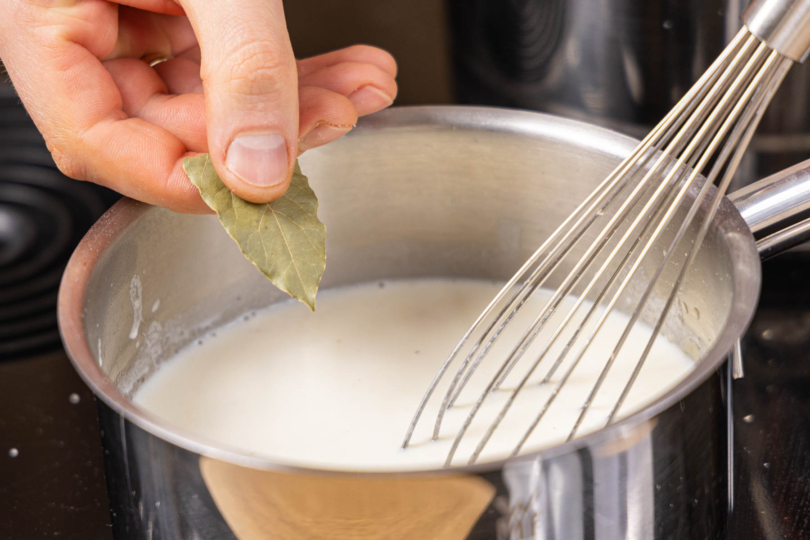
436, 191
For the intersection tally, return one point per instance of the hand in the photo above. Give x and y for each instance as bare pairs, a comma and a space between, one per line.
231, 87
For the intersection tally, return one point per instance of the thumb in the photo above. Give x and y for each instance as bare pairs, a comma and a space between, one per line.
251, 93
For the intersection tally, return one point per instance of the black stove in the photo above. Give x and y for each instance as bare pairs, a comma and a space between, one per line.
51, 471
772, 410
52, 481
43, 214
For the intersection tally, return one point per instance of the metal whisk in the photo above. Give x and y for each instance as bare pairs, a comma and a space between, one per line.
623, 225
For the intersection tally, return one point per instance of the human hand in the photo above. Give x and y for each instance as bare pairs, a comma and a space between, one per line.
231, 87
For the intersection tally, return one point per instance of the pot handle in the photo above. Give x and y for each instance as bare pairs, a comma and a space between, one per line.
777, 201
774, 201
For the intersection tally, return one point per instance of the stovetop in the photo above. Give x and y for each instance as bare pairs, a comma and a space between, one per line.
51, 471
43, 215
772, 410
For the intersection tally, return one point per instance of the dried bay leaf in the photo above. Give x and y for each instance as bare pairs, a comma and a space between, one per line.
284, 239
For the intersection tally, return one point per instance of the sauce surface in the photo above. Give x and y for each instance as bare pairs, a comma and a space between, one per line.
337, 389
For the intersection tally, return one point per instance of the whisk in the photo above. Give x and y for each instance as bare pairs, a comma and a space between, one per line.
622, 225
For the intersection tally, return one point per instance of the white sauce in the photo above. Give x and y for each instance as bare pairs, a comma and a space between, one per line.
135, 298
337, 389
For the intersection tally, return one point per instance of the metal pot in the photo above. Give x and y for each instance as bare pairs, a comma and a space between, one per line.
436, 191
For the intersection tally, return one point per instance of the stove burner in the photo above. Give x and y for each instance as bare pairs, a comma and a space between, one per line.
43, 215
16, 233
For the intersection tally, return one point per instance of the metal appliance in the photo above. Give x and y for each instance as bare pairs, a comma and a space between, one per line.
622, 64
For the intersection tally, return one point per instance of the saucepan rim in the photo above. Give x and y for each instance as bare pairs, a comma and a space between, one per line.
79, 270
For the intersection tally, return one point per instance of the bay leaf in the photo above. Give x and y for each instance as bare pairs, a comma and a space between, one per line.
284, 239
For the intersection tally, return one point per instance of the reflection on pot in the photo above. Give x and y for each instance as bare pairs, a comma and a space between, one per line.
548, 498
292, 505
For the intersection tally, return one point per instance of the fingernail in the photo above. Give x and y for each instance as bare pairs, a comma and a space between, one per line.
369, 98
321, 135
259, 159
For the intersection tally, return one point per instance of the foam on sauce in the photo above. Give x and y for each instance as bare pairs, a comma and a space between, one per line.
337, 389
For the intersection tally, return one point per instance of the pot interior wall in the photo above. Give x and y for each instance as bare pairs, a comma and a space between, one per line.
417, 200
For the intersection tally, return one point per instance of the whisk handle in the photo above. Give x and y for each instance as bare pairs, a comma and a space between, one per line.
784, 25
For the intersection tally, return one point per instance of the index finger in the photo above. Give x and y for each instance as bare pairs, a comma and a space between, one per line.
356, 53
74, 102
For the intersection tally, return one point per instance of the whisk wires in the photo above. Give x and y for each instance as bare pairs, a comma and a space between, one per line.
708, 130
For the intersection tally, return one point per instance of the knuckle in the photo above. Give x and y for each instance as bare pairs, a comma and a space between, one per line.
67, 161
255, 68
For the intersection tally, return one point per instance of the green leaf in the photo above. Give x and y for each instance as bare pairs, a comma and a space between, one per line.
284, 238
